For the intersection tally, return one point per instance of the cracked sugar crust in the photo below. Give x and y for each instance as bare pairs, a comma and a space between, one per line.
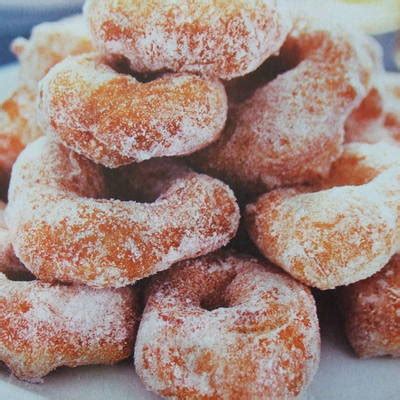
223, 38
43, 326
328, 236
227, 326
113, 119
65, 229
291, 130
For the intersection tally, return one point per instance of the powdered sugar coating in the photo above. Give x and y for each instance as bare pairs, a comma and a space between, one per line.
227, 326
360, 163
18, 127
64, 229
372, 312
49, 44
44, 326
114, 120
224, 38
9, 263
378, 117
292, 129
337, 236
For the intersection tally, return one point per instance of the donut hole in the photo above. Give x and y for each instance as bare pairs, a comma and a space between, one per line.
145, 182
241, 89
216, 293
121, 65
211, 304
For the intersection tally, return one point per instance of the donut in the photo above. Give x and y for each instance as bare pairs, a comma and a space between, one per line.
290, 130
49, 44
227, 326
44, 326
9, 263
331, 235
378, 117
17, 128
371, 310
65, 227
224, 39
114, 120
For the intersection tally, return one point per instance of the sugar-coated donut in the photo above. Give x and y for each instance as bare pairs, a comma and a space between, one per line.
332, 236
64, 229
292, 129
113, 119
17, 128
49, 44
45, 326
224, 38
9, 263
227, 326
371, 310
378, 117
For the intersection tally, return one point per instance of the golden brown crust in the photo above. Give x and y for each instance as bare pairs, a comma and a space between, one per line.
372, 312
227, 326
113, 119
44, 326
64, 228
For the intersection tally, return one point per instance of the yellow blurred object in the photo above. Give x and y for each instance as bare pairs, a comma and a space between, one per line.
371, 16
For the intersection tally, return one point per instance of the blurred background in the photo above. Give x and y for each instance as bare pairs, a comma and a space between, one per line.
17, 17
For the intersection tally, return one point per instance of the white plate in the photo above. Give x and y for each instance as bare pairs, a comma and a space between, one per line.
341, 375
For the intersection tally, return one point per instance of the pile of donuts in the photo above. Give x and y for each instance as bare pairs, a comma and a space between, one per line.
179, 176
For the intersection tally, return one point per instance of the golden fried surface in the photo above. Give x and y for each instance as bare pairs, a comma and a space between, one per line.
223, 38
45, 326
63, 227
329, 236
114, 120
227, 326
372, 312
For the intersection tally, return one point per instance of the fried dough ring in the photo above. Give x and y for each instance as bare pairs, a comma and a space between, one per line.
226, 326
45, 326
224, 38
331, 236
292, 129
17, 128
49, 44
371, 309
63, 230
114, 120
378, 117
